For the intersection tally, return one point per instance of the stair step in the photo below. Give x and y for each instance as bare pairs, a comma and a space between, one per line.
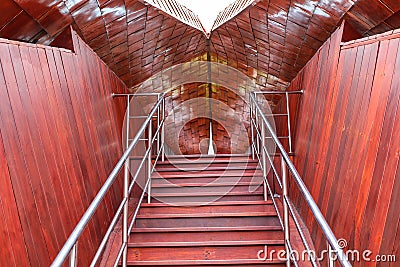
208, 229
220, 220
202, 238
211, 173
241, 160
201, 255
206, 243
205, 156
200, 263
204, 215
212, 263
204, 165
196, 193
167, 183
206, 190
199, 169
205, 209
233, 203
207, 180
201, 200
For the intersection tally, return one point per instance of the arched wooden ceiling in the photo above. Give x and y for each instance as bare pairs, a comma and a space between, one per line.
270, 41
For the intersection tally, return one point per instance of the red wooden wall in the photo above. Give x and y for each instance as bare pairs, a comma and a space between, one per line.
347, 141
60, 136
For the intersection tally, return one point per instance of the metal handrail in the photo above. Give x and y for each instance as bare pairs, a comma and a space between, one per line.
70, 245
329, 235
287, 114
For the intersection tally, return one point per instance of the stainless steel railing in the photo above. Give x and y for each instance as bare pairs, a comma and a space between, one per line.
70, 248
260, 127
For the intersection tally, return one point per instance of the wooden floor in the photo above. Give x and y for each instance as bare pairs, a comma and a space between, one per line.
202, 214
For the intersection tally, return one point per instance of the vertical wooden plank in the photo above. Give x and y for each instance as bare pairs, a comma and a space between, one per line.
30, 127
63, 133
45, 148
91, 94
333, 69
355, 157
36, 209
41, 101
15, 160
343, 87
79, 162
375, 117
390, 237
314, 136
392, 229
384, 172
13, 250
346, 136
86, 139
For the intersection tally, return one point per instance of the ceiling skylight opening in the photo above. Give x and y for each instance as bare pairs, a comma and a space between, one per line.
204, 15
206, 10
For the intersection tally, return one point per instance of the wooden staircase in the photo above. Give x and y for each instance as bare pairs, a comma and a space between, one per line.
202, 214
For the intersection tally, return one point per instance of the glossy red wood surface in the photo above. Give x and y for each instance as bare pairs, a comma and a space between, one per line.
215, 215
346, 141
270, 41
60, 138
189, 130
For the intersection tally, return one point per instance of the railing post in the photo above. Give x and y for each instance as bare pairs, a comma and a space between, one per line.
128, 120
256, 141
285, 209
331, 260
73, 256
264, 159
158, 126
288, 123
162, 131
149, 165
125, 192
252, 129
125, 233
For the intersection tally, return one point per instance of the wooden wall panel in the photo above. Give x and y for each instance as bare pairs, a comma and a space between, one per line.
60, 138
12, 241
347, 143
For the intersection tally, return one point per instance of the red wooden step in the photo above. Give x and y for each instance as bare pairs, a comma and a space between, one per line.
210, 263
233, 203
208, 215
230, 182
180, 192
199, 238
209, 157
201, 255
207, 220
205, 190
253, 178
206, 209
205, 165
184, 161
239, 263
205, 199
210, 173
200, 169
208, 229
